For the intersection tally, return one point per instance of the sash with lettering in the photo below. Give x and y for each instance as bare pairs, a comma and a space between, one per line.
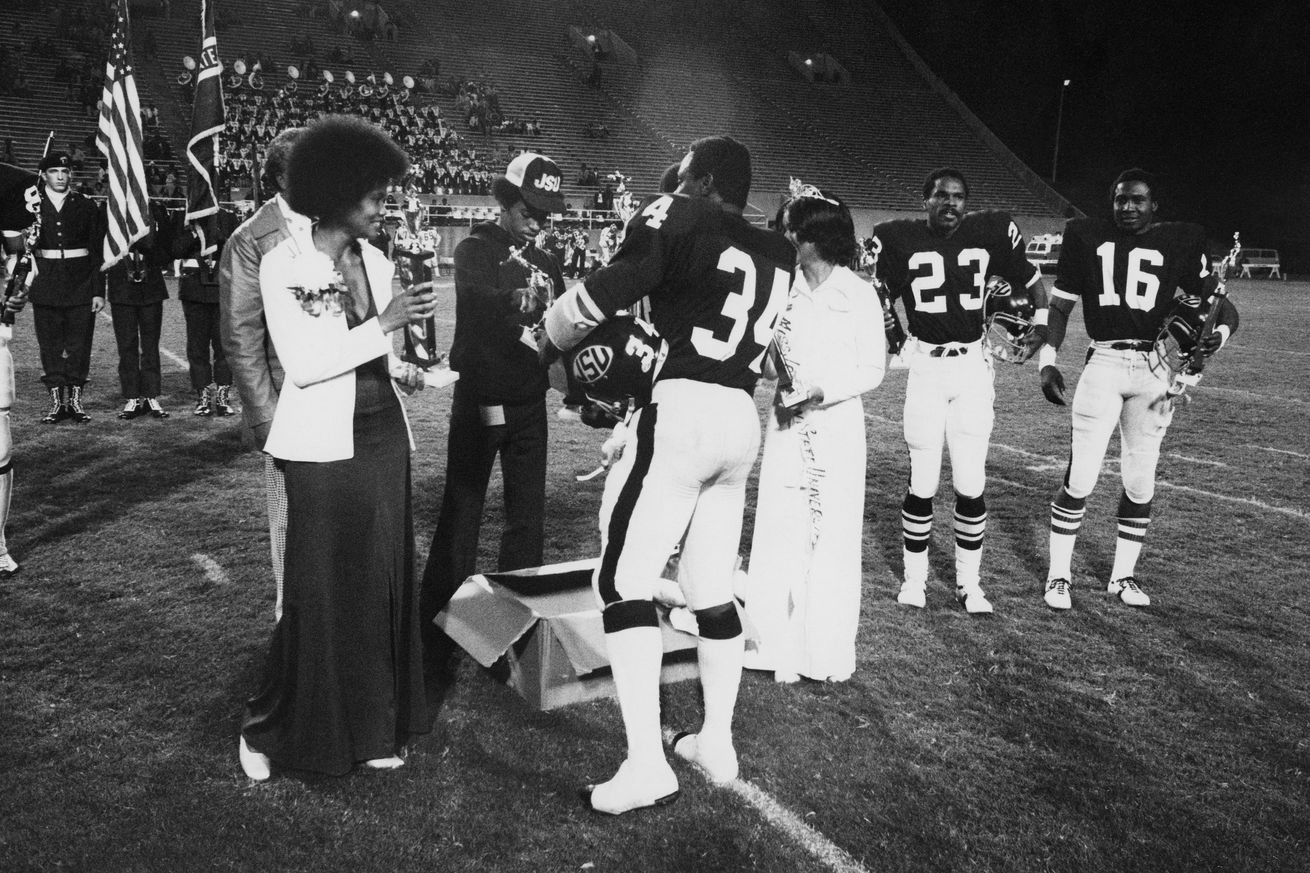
206, 123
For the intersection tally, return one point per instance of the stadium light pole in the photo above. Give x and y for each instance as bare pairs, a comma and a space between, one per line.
1059, 118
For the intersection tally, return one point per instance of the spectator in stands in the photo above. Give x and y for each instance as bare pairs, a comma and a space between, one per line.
7, 153
149, 44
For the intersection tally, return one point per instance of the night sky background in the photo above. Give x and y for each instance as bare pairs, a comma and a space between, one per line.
1212, 97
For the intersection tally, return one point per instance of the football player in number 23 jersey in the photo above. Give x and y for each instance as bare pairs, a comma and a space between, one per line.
938, 267
1125, 273
716, 285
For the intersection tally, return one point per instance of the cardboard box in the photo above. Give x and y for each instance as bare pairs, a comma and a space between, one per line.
546, 623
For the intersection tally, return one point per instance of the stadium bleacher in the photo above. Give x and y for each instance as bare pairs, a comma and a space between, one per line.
700, 69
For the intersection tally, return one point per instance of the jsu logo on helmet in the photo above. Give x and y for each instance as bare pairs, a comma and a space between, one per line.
592, 363
547, 183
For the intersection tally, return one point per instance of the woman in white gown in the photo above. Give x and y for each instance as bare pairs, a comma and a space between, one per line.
805, 569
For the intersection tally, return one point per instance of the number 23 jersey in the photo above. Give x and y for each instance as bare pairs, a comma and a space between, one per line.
1126, 281
716, 284
941, 278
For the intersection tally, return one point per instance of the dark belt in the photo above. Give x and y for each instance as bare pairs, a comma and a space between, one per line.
1133, 346
947, 351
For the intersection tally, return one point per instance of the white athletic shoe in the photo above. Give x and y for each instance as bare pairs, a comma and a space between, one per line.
1128, 591
1057, 594
390, 763
630, 789
719, 764
973, 599
8, 566
255, 765
913, 594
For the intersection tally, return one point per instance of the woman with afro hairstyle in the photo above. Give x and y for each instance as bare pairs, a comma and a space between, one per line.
343, 683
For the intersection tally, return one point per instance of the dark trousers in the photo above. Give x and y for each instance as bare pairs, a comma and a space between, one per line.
64, 334
136, 329
521, 444
202, 338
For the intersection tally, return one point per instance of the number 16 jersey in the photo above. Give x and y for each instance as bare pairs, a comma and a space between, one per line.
715, 282
1126, 281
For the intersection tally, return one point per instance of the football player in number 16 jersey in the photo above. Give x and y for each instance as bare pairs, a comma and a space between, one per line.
939, 267
715, 285
1125, 273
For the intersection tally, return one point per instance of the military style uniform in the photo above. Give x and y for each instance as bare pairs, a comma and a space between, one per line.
137, 292
69, 252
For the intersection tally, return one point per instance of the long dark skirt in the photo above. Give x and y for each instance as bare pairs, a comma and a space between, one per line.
343, 681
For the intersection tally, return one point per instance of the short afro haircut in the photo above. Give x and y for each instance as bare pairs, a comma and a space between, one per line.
944, 173
729, 161
669, 178
828, 225
1136, 174
336, 162
276, 154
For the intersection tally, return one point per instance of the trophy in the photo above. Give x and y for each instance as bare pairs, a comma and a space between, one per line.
420, 340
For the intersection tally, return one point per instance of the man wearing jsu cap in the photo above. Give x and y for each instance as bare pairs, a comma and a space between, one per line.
69, 288
499, 406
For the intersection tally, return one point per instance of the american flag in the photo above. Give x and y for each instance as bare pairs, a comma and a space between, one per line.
206, 122
119, 140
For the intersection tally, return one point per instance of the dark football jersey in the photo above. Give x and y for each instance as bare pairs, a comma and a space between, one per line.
1127, 281
941, 279
15, 184
716, 285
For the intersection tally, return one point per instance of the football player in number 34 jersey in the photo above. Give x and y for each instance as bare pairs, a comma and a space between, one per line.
939, 267
716, 285
1125, 274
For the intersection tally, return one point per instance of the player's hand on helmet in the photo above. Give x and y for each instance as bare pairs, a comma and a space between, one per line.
1033, 342
1053, 384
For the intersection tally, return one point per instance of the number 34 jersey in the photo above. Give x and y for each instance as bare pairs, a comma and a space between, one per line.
1126, 281
941, 279
715, 282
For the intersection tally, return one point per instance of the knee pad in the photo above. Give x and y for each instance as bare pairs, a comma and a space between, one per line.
1138, 474
624, 614
719, 622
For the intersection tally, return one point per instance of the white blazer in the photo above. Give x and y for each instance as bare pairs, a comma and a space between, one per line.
315, 411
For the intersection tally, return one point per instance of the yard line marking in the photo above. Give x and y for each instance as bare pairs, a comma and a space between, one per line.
213, 572
827, 852
181, 364
1254, 395
1277, 451
1206, 461
1052, 464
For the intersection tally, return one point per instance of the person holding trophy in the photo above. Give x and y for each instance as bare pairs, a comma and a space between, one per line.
805, 560
503, 284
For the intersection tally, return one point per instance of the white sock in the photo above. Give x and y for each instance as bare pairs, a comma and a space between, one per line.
636, 655
720, 677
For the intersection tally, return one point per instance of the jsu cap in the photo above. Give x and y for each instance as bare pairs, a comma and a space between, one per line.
55, 160
538, 180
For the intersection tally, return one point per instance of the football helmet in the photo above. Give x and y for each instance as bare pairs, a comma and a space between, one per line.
616, 363
1008, 314
1178, 335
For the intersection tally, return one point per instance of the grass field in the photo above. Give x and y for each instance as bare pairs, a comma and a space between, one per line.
1104, 739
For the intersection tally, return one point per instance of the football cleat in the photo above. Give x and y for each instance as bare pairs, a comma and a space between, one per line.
617, 362
973, 600
629, 790
255, 765
8, 566
913, 594
1128, 591
1057, 594
1008, 314
720, 765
